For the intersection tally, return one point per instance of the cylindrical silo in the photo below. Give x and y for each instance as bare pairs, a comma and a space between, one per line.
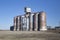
42, 21
15, 23
27, 21
19, 23
20, 28
31, 21
35, 21
28, 13
23, 23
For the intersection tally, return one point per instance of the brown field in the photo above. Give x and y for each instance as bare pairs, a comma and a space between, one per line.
28, 35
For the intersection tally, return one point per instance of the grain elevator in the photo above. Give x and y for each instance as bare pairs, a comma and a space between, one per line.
30, 21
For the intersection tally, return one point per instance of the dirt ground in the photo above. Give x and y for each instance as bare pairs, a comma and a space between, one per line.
28, 35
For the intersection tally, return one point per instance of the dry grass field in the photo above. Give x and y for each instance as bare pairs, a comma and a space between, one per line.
28, 35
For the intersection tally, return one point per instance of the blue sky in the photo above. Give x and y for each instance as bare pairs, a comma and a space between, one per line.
11, 8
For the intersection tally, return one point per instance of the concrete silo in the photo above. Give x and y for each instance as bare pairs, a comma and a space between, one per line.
42, 21
19, 23
27, 21
24, 23
28, 13
15, 23
30, 22
35, 21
